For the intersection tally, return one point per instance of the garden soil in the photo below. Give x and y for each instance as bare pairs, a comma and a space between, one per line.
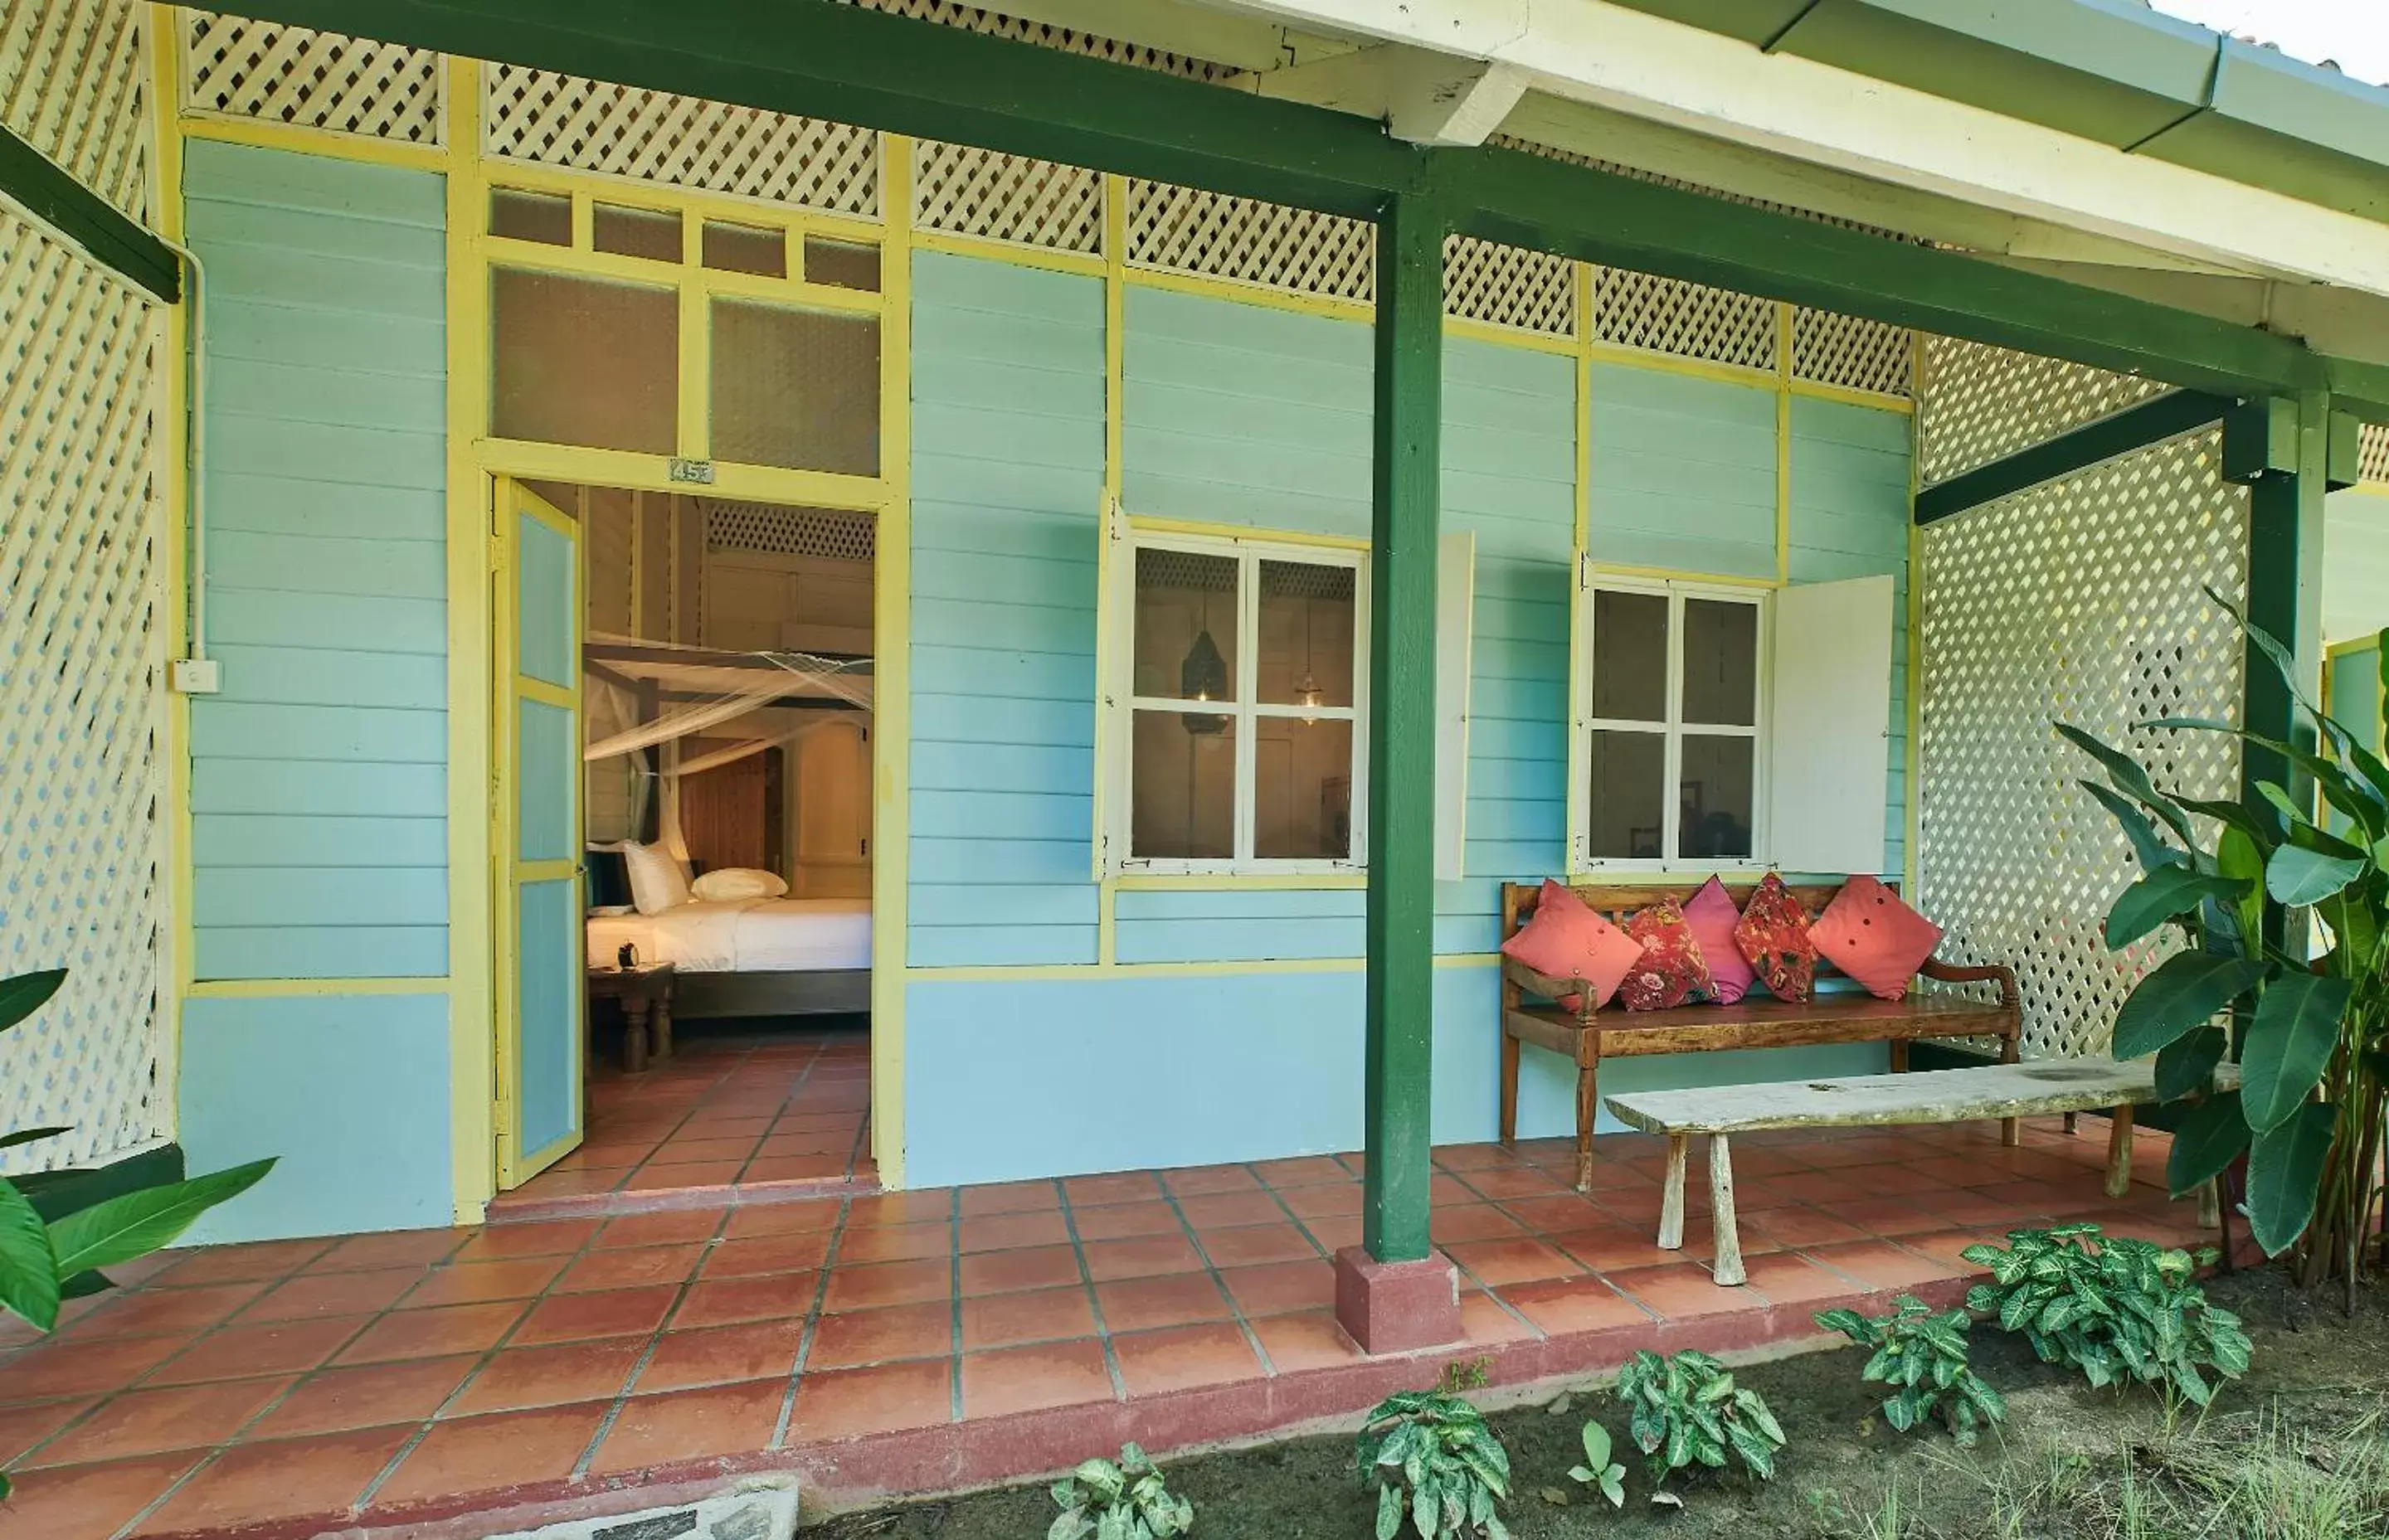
2055, 1469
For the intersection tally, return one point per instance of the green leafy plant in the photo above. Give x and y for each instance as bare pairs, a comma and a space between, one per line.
1686, 1410
2119, 1310
1921, 1353
45, 1262
1431, 1456
2312, 1036
1598, 1470
1122, 1500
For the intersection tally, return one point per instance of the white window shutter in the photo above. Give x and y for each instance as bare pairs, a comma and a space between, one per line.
1829, 726
1455, 606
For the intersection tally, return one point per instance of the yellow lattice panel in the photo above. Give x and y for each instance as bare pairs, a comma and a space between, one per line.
2374, 459
1668, 315
2079, 601
971, 19
237, 67
1977, 404
71, 86
82, 649
1509, 285
1855, 355
1244, 241
552, 120
967, 191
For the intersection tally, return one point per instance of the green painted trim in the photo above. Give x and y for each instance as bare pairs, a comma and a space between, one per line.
87, 219
96, 1184
826, 59
2137, 427
1399, 989
2282, 451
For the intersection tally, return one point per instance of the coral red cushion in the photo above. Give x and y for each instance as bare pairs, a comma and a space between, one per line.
1711, 914
1773, 937
1564, 938
1670, 970
1870, 935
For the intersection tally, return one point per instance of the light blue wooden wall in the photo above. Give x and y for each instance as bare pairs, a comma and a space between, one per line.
2355, 569
319, 776
350, 1092
1007, 492
1243, 414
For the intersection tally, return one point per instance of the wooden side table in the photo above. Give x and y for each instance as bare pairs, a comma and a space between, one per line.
646, 994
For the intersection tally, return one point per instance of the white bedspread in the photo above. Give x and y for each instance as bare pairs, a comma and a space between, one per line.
743, 936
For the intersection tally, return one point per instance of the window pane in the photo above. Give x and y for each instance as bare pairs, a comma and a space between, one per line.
842, 265
1306, 640
1716, 796
635, 231
1185, 625
1721, 662
1182, 786
746, 248
794, 388
583, 361
1629, 773
542, 217
1629, 656
1302, 789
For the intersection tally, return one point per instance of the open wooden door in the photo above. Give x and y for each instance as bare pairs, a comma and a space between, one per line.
536, 754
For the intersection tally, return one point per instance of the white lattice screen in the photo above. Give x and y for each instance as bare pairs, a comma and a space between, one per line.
1857, 355
1509, 285
81, 615
837, 534
1213, 236
236, 67
1665, 316
554, 119
2374, 459
1977, 404
1012, 198
2078, 601
72, 86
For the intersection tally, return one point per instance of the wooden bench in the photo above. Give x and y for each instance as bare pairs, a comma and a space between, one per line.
2007, 1091
1531, 1012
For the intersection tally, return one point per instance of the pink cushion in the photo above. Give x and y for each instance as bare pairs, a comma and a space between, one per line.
1870, 935
1711, 914
1566, 940
1671, 971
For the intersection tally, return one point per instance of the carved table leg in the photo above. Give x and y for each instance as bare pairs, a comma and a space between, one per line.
659, 1028
1672, 1199
1729, 1237
635, 1034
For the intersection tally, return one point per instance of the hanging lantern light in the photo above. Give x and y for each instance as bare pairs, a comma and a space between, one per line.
1203, 677
1308, 696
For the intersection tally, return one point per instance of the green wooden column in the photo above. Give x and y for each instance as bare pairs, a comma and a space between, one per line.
2281, 448
1400, 979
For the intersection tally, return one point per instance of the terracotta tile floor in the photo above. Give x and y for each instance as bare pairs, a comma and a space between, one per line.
930, 1340
728, 1117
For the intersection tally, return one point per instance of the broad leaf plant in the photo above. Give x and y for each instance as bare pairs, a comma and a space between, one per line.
1122, 1500
1921, 1354
2129, 1311
1434, 1459
1685, 1410
45, 1262
2310, 1036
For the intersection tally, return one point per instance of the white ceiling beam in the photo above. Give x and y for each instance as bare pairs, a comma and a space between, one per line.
1424, 97
1646, 66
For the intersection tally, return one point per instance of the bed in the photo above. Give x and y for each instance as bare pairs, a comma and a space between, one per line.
750, 957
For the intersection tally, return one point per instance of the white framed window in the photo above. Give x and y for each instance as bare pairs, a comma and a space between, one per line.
1236, 729
1672, 724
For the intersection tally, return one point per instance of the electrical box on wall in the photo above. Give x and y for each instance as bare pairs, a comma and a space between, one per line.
194, 676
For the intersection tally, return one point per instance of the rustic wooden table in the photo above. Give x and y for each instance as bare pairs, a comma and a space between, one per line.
645, 993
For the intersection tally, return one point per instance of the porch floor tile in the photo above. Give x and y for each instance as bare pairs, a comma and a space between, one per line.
982, 1332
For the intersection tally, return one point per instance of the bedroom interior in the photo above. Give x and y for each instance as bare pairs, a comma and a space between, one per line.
726, 683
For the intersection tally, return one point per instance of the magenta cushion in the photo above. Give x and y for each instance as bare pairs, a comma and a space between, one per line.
1711, 914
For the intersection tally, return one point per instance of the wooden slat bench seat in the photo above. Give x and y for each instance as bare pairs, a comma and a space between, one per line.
1530, 1013
2005, 1091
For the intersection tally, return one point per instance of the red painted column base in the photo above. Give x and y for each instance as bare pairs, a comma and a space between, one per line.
1396, 1306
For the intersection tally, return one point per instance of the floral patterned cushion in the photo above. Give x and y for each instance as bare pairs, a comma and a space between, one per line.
1671, 970
1774, 936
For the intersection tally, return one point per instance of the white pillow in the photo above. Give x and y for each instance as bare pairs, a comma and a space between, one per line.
740, 882
657, 882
